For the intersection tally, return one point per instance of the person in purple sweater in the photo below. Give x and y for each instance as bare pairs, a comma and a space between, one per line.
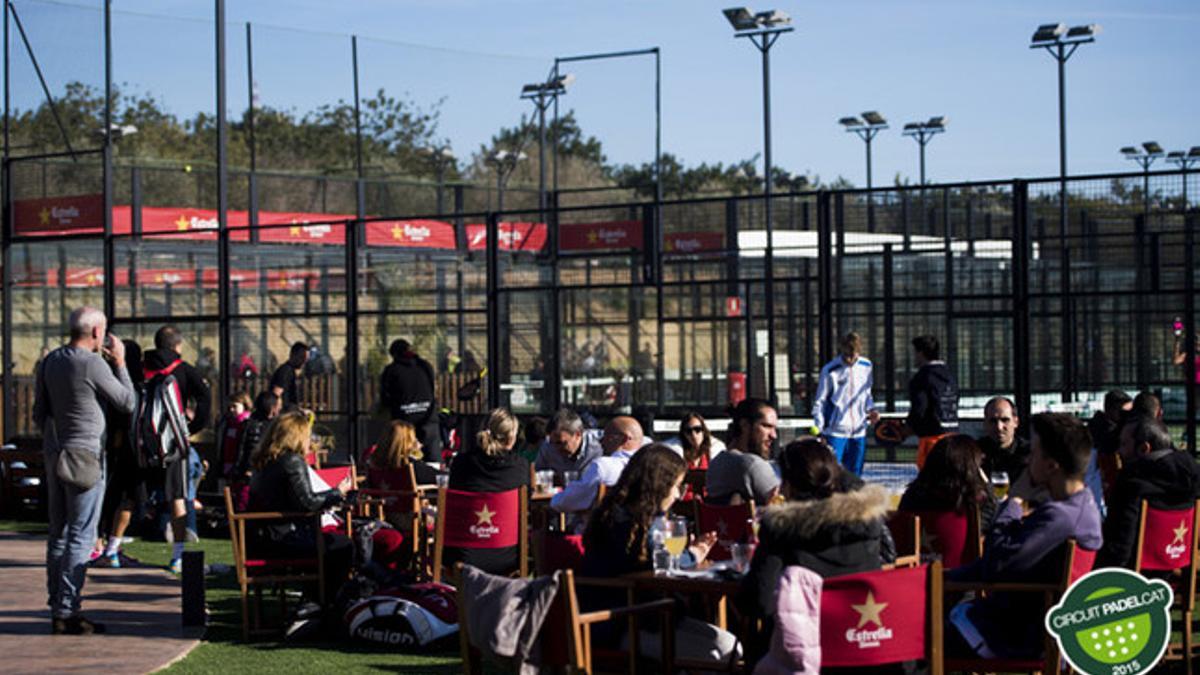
1028, 547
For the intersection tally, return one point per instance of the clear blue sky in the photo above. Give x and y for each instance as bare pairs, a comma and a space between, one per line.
967, 59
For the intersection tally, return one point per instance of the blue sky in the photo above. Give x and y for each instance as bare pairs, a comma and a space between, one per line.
967, 59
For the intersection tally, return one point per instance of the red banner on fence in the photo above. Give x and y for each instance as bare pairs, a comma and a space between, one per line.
513, 236
79, 214
411, 234
618, 234
693, 242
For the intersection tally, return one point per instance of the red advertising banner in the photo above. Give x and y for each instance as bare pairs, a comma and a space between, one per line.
512, 236
79, 214
693, 242
411, 234
619, 234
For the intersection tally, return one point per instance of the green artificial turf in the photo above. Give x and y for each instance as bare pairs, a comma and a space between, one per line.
222, 650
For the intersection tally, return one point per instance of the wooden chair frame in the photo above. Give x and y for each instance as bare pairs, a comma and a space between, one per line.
909, 526
1050, 592
575, 631
522, 533
237, 538
1185, 595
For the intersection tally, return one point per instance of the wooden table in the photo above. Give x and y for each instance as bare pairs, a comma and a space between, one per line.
720, 589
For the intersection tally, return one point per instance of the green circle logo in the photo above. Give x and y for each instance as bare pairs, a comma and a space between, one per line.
1113, 622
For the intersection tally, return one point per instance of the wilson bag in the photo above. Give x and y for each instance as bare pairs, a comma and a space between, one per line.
160, 434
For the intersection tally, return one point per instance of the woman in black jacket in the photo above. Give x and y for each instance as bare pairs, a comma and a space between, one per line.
281, 483
832, 524
951, 479
617, 542
491, 466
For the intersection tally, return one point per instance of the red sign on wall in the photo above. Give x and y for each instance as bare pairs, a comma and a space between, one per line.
733, 306
693, 242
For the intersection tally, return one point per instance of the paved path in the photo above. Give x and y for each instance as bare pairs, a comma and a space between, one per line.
140, 607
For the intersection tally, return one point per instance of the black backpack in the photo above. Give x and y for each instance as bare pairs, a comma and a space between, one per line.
160, 434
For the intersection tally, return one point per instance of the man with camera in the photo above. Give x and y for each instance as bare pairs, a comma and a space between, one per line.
73, 386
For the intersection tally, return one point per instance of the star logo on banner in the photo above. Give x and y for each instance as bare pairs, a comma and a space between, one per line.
1180, 532
870, 611
181, 224
485, 516
294, 230
592, 237
669, 245
397, 233
44, 216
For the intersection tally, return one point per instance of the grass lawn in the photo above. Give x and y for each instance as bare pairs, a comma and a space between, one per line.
222, 650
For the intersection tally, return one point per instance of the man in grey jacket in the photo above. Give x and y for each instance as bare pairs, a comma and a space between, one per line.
73, 386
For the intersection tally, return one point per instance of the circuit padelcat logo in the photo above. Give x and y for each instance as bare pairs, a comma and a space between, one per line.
1112, 622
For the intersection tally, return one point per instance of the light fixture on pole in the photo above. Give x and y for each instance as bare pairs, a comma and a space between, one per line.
1144, 156
923, 132
505, 162
441, 158
1184, 160
763, 29
866, 128
543, 94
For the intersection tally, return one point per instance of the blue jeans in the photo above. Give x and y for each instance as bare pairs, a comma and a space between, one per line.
850, 452
195, 471
73, 515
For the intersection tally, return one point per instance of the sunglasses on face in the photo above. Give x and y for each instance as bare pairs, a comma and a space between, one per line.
695, 430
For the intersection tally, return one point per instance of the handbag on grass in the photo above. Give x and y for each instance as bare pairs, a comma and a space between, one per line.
78, 467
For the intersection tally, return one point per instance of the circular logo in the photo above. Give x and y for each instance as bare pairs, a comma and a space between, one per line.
1112, 622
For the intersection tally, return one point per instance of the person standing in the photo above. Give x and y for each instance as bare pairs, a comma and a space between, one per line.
843, 407
285, 382
73, 385
933, 397
162, 361
406, 391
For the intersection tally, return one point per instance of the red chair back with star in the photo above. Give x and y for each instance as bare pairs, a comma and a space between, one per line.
729, 522
1166, 538
474, 520
882, 617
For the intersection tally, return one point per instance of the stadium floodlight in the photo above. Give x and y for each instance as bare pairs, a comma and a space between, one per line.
923, 132
1153, 148
763, 29
543, 94
866, 128
1049, 33
442, 159
1185, 161
505, 162
1081, 33
1129, 150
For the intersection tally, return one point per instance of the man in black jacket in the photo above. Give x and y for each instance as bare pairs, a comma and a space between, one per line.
406, 392
933, 397
1152, 470
285, 382
1105, 428
164, 360
1003, 449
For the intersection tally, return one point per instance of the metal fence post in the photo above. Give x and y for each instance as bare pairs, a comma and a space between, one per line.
1021, 252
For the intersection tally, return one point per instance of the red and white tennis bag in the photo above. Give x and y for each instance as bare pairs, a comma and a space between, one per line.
405, 616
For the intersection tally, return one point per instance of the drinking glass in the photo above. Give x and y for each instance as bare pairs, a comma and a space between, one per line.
739, 556
676, 540
443, 481
999, 480
544, 480
570, 477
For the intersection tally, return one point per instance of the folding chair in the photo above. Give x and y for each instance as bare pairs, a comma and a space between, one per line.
259, 572
556, 551
906, 534
392, 495
565, 638
475, 520
954, 536
1166, 543
1076, 563
867, 618
729, 522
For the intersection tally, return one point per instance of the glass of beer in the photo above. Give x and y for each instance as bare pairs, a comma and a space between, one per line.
676, 540
999, 481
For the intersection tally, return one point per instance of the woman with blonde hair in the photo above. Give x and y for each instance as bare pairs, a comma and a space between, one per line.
281, 483
490, 466
396, 449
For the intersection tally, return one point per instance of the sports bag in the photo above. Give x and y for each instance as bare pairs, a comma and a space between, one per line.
160, 434
405, 616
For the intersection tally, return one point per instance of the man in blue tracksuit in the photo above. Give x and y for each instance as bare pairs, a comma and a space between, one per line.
843, 406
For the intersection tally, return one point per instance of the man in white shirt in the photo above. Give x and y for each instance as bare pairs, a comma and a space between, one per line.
622, 438
844, 407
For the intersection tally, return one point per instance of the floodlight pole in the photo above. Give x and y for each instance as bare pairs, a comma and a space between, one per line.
1059, 50
764, 40
868, 133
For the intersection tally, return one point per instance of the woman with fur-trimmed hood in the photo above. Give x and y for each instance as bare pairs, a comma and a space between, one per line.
832, 524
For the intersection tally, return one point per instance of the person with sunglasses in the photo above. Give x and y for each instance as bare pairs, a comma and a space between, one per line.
696, 445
